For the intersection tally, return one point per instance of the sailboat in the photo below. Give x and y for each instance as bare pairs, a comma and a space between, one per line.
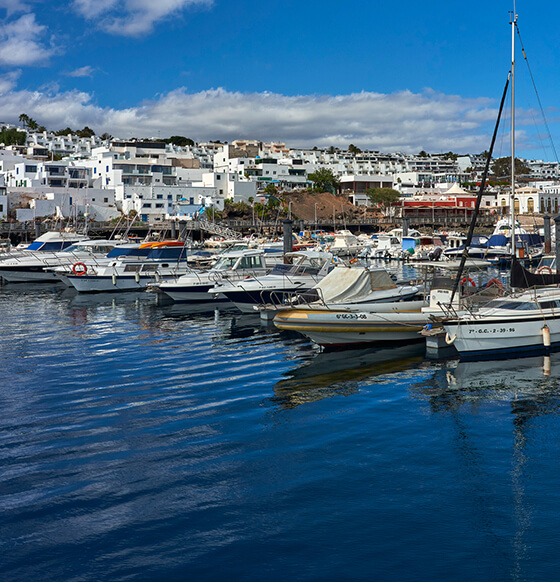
526, 321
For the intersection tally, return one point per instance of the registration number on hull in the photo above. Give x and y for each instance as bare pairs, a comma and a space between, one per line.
351, 316
491, 330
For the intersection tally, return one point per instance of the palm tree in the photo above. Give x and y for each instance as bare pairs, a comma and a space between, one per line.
24, 119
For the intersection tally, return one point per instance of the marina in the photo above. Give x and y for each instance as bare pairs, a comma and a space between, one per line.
236, 346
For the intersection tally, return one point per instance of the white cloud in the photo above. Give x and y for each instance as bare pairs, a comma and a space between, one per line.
406, 122
20, 42
12, 6
132, 17
86, 71
94, 8
8, 82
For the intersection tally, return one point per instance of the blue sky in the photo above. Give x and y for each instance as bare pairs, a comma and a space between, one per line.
393, 76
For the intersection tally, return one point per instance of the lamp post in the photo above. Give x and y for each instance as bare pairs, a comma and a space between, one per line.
290, 210
315, 215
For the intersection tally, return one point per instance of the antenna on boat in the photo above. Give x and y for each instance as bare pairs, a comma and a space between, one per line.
513, 22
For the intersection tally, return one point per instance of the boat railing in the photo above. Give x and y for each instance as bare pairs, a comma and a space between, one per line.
285, 299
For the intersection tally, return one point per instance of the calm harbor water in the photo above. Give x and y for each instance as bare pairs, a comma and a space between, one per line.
142, 441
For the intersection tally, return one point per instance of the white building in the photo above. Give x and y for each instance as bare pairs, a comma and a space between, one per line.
42, 201
529, 200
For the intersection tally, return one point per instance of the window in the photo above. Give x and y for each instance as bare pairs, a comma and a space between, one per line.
147, 205
106, 200
218, 177
159, 205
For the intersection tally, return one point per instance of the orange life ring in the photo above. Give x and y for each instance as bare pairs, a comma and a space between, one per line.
543, 268
467, 289
81, 271
496, 283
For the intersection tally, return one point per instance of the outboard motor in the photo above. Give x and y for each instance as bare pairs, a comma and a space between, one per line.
435, 254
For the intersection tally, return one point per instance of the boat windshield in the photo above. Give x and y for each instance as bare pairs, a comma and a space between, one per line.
48, 246
522, 305
247, 262
282, 269
89, 248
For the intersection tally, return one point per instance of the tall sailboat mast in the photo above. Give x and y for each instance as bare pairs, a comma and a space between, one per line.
512, 204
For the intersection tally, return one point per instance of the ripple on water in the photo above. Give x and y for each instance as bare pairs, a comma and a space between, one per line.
140, 442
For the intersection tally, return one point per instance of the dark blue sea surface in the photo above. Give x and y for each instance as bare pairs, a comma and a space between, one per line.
143, 441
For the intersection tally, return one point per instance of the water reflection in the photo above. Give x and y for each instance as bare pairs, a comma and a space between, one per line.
327, 373
517, 380
184, 310
529, 389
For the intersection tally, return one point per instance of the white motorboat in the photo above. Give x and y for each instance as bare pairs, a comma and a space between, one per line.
346, 244
389, 246
306, 270
231, 266
49, 250
130, 271
523, 323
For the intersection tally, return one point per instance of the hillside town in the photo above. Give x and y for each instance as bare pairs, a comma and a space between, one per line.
102, 178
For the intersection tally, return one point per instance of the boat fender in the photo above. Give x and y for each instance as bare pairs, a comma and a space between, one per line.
450, 339
137, 277
544, 268
79, 269
546, 335
114, 279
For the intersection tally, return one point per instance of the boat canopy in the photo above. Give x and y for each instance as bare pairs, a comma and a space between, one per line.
502, 240
347, 284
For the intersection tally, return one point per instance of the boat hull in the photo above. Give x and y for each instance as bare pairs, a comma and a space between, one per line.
246, 300
100, 283
484, 339
187, 293
27, 275
338, 328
